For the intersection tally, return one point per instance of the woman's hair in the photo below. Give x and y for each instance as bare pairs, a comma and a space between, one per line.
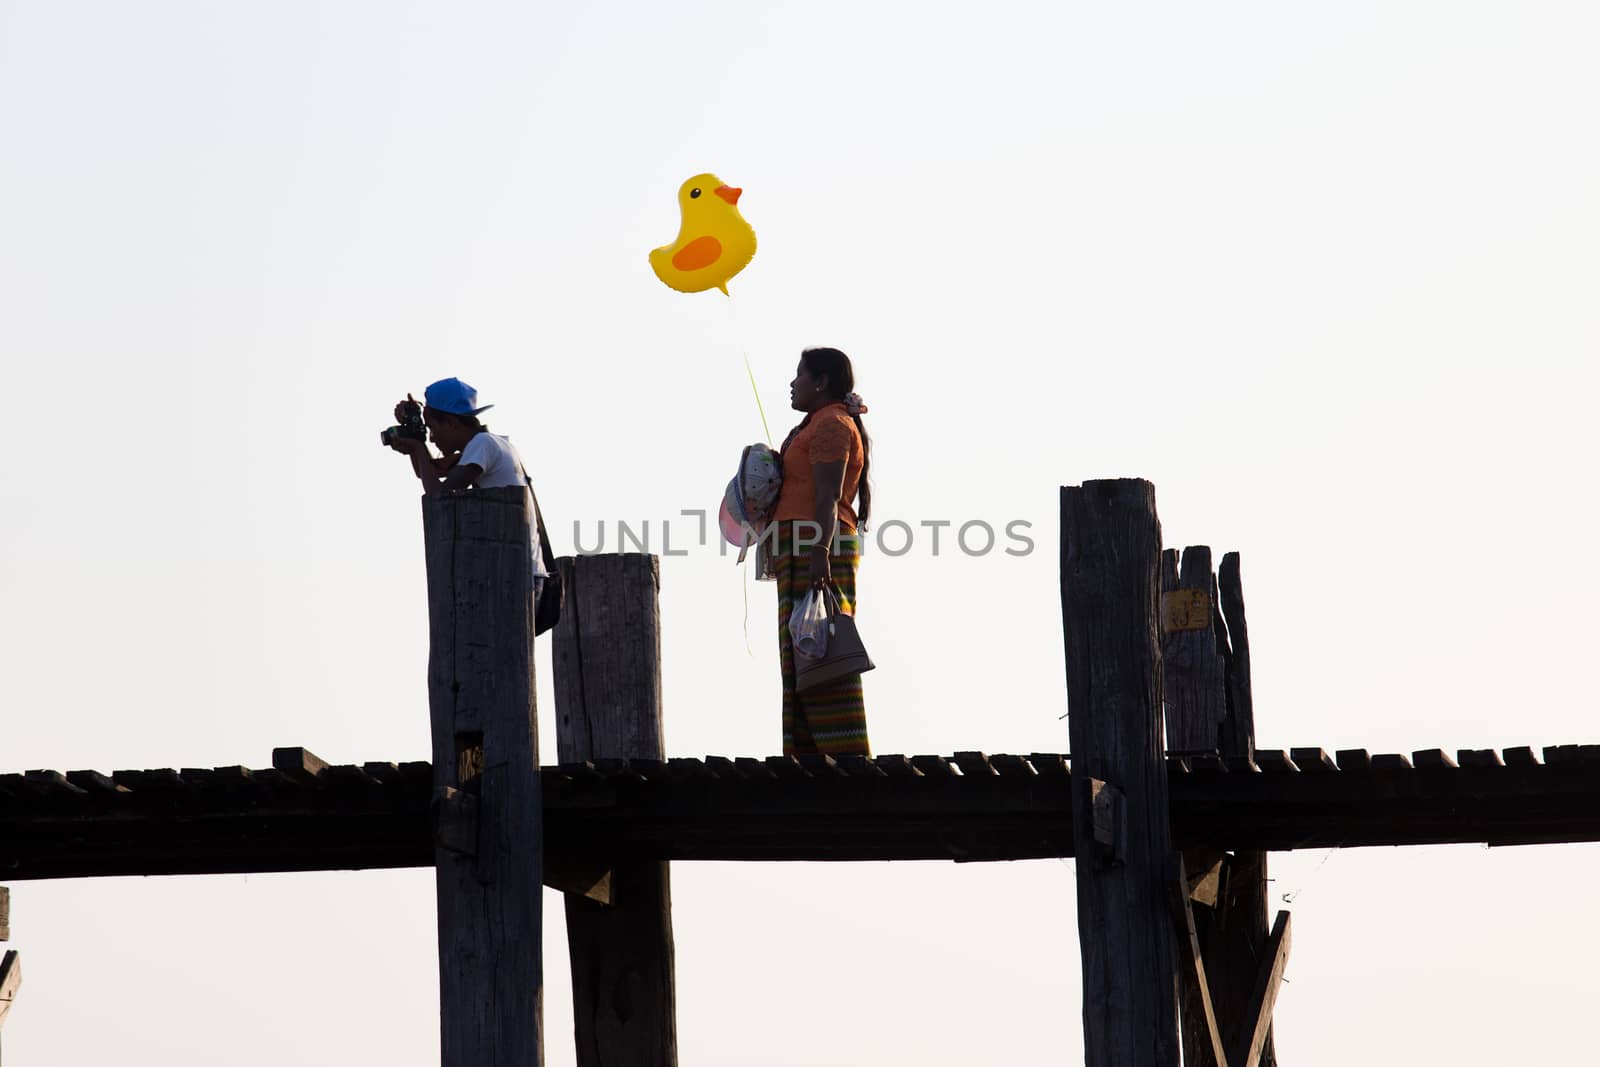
834, 365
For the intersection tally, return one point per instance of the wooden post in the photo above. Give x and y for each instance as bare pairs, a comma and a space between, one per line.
487, 800
1195, 703
1111, 543
607, 659
1236, 940
1193, 684
1206, 685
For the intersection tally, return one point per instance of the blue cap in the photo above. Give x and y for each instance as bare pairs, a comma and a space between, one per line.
454, 396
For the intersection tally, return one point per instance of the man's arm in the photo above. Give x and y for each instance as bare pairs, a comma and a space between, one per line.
438, 476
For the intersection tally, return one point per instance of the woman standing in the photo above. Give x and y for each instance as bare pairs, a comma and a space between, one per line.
825, 462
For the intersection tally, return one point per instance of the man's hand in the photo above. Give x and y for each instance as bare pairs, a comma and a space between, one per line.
408, 446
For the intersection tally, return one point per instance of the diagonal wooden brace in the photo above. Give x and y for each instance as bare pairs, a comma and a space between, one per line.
1189, 960
1253, 1034
10, 981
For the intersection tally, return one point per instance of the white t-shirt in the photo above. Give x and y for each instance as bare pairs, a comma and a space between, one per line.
502, 467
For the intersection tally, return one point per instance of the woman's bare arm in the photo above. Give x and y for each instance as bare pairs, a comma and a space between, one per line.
829, 480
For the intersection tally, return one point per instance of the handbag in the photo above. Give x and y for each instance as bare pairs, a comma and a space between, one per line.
547, 611
846, 654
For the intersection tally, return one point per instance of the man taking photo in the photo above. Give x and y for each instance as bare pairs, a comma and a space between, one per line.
472, 456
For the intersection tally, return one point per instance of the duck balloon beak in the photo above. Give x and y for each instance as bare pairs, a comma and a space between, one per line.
729, 193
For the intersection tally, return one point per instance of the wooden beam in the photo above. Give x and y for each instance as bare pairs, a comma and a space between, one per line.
1258, 1023
1111, 541
607, 660
5, 913
1193, 964
485, 746
588, 879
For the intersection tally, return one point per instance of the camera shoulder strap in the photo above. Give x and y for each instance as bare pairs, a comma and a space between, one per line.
538, 518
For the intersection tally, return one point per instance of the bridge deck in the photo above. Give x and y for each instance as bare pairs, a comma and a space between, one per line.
966, 807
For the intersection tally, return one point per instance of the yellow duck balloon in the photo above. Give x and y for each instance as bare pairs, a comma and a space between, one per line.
714, 242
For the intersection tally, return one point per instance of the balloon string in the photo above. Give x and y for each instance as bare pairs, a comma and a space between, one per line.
744, 584
733, 315
763, 411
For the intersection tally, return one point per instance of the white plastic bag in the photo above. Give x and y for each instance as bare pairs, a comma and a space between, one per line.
809, 624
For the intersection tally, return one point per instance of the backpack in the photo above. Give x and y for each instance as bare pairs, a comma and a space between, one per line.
751, 497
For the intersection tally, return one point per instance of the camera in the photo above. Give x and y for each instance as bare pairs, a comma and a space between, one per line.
410, 424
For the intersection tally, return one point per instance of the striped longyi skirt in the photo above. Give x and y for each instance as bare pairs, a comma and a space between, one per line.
831, 719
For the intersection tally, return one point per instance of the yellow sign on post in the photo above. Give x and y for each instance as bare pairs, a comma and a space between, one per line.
1185, 609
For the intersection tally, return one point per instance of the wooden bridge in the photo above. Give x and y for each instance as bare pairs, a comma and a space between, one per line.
301, 814
1167, 806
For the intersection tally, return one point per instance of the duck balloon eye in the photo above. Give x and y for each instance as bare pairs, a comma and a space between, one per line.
694, 194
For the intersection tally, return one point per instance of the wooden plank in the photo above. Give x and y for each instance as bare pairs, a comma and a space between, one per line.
1048, 764
299, 764
654, 770
607, 661
1253, 1035
5, 913
1193, 968
1110, 585
159, 780
55, 783
481, 697
725, 768
1354, 760
1275, 761
385, 774
786, 767
616, 767
1009, 766
754, 770
974, 765
233, 776
1313, 760
857, 765
94, 783
10, 981
345, 776
820, 765
897, 767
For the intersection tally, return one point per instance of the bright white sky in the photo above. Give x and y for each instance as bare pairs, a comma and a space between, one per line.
1324, 274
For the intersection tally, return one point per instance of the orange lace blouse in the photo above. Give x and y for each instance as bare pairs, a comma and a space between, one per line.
826, 435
